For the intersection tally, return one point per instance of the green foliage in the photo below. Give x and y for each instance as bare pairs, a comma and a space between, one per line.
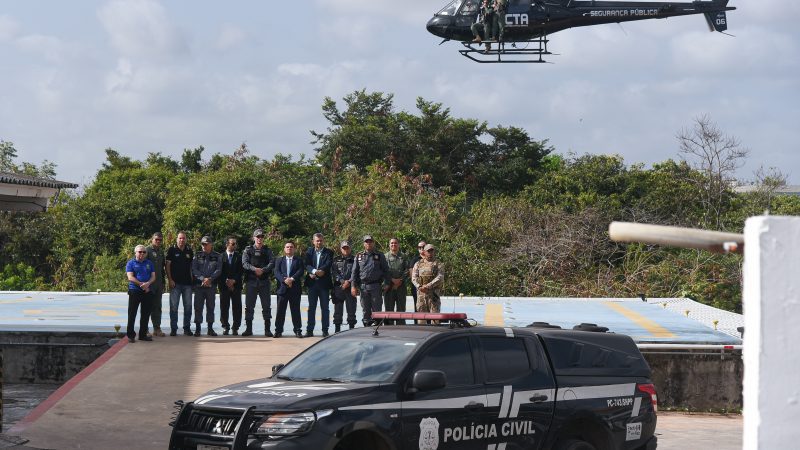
508, 217
20, 277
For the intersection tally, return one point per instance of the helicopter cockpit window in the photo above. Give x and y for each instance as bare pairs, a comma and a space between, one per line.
470, 8
450, 9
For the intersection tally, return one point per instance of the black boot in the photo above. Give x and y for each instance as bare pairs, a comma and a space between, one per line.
249, 330
351, 325
267, 333
197, 330
337, 328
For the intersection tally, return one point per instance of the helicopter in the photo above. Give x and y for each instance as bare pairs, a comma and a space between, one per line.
528, 23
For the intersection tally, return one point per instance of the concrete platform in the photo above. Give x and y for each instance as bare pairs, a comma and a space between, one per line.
124, 399
656, 320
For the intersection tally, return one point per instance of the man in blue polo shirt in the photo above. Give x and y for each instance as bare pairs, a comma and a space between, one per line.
141, 276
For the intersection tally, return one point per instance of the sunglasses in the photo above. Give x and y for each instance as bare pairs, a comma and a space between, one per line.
431, 250
139, 251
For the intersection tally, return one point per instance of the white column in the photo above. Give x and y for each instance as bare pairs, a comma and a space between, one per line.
772, 333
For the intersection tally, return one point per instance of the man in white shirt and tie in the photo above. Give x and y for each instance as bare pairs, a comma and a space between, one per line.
288, 273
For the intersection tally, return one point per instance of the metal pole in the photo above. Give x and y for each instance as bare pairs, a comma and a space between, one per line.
713, 241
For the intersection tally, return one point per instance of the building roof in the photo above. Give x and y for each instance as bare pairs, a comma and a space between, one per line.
782, 190
27, 180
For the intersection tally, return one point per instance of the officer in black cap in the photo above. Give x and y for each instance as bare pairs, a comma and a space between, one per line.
206, 269
371, 277
258, 264
341, 271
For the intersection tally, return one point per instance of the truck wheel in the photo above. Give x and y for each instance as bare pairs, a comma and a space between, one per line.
575, 444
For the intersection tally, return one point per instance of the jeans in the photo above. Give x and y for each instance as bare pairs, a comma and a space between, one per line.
175, 294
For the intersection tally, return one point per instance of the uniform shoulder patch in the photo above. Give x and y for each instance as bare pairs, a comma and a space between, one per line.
376, 257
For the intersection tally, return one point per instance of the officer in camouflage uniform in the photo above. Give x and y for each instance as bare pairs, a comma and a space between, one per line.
499, 27
428, 277
395, 298
206, 269
371, 275
341, 271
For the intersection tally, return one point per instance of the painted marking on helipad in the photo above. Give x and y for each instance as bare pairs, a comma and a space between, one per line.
494, 315
107, 313
653, 328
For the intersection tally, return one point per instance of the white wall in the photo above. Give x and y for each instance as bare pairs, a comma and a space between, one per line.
772, 333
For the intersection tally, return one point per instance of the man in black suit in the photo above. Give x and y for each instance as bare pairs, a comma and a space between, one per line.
318, 261
230, 287
289, 275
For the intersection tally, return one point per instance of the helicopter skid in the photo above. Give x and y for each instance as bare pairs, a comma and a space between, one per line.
526, 51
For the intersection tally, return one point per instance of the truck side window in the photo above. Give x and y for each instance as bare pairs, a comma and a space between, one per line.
506, 358
454, 358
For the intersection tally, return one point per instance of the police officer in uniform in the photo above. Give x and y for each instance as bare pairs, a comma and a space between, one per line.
258, 264
206, 269
499, 27
428, 277
371, 275
395, 298
341, 271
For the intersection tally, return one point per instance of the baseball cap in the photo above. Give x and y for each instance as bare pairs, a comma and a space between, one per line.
205, 240
367, 237
429, 247
258, 232
344, 244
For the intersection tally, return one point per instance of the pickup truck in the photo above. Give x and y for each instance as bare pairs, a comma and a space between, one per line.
437, 387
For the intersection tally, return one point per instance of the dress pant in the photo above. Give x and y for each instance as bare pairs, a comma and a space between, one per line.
138, 299
260, 289
323, 295
292, 299
204, 296
230, 300
371, 300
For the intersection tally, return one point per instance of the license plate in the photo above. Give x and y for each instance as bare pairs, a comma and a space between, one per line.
211, 447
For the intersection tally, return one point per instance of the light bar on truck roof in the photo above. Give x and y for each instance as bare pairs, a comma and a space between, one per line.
418, 316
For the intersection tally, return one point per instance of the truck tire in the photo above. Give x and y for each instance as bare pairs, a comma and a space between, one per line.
575, 444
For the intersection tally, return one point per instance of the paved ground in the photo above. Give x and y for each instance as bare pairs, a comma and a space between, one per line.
124, 400
679, 431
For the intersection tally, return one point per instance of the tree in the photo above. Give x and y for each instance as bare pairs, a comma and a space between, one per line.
717, 156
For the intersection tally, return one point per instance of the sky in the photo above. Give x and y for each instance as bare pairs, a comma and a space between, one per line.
144, 76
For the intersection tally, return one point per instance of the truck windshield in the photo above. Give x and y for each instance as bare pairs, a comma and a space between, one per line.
350, 360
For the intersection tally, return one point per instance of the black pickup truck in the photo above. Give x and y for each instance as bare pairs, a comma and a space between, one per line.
437, 387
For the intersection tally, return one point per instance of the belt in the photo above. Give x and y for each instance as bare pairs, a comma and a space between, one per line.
370, 283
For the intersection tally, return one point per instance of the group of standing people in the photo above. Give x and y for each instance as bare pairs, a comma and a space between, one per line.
491, 22
379, 279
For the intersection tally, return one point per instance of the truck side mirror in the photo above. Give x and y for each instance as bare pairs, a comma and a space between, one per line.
276, 368
428, 380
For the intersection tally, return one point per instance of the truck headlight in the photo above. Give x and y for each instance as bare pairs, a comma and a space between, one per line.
286, 424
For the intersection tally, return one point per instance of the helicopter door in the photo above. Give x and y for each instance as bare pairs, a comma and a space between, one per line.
468, 13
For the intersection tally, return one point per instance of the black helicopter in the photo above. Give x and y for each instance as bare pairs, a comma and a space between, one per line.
529, 22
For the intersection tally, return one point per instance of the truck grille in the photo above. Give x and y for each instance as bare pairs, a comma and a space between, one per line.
211, 423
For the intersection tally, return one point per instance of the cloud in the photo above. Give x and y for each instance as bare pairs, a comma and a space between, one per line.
229, 36
8, 28
141, 29
408, 11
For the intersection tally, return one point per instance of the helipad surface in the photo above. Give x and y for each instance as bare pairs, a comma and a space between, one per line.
652, 321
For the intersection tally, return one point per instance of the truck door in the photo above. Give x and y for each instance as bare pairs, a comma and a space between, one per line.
519, 388
437, 419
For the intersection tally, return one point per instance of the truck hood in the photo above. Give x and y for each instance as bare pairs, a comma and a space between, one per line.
268, 394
